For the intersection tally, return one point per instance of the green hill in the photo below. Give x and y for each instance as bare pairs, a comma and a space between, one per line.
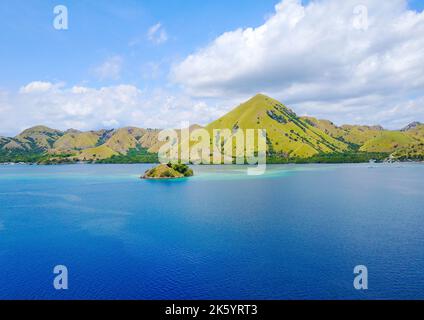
287, 134
10, 144
39, 137
76, 141
412, 152
415, 130
124, 139
97, 153
354, 135
372, 139
388, 141
289, 138
360, 134
415, 150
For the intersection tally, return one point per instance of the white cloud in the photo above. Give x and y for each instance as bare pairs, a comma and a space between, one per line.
109, 69
310, 57
37, 86
315, 58
87, 108
157, 34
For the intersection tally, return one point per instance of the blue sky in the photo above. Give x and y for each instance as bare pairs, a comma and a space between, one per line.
159, 56
99, 30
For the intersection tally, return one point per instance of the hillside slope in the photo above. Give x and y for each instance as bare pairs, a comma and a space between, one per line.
76, 141
288, 137
354, 135
415, 130
39, 137
413, 152
388, 141
287, 133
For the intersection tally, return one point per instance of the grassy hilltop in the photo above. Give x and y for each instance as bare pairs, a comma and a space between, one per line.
287, 134
290, 138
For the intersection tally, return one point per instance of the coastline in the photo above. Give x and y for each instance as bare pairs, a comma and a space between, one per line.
209, 164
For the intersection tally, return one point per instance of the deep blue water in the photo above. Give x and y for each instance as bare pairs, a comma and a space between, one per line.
295, 233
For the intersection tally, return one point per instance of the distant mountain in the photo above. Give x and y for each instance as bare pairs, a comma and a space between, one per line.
415, 150
354, 135
289, 138
388, 141
73, 145
373, 139
412, 126
35, 139
416, 131
39, 137
75, 140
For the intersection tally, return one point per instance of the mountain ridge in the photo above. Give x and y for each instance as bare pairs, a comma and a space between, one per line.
286, 132
289, 136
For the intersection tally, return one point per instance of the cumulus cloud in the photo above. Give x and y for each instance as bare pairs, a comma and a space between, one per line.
109, 69
87, 108
157, 34
37, 86
323, 59
328, 58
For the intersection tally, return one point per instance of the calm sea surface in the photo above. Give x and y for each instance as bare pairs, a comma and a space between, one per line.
296, 232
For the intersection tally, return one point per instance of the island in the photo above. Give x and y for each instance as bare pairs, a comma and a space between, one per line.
168, 171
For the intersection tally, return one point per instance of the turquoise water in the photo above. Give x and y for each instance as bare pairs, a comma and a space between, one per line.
296, 232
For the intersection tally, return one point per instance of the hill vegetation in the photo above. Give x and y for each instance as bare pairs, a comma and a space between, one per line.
287, 134
388, 141
290, 138
169, 171
414, 152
